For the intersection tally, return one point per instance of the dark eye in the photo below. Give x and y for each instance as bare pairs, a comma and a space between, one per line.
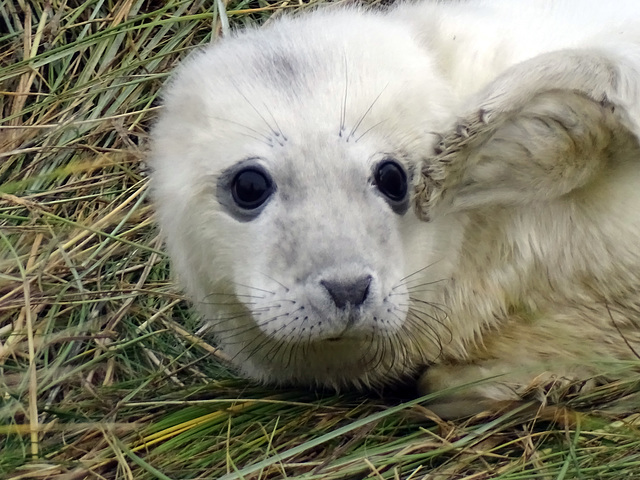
251, 187
391, 180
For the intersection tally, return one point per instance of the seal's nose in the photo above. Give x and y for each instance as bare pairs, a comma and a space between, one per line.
351, 291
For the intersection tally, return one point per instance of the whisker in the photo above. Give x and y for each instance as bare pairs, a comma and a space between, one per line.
364, 358
343, 110
422, 327
286, 289
279, 132
424, 284
289, 343
271, 319
402, 280
269, 126
277, 344
221, 320
428, 290
236, 333
378, 356
426, 332
233, 295
253, 288
226, 304
432, 317
261, 137
292, 350
262, 343
369, 129
415, 317
366, 113
437, 306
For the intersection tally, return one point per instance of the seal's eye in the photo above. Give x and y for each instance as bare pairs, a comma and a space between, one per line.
391, 180
251, 187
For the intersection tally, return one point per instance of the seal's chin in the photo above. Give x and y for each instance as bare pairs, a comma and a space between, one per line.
334, 362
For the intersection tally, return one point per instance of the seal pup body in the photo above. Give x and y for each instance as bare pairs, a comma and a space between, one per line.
282, 171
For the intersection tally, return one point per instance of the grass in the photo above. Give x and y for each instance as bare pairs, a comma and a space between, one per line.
101, 375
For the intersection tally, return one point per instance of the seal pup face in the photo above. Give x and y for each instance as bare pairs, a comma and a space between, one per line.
282, 169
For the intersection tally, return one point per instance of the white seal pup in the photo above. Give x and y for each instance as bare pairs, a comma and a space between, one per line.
283, 165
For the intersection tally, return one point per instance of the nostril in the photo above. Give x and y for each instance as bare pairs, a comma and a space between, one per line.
348, 291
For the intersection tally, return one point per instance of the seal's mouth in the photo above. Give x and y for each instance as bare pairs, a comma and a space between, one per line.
344, 337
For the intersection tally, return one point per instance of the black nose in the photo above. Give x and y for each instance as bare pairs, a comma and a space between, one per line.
348, 291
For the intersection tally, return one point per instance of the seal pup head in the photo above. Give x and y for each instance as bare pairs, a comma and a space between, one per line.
282, 164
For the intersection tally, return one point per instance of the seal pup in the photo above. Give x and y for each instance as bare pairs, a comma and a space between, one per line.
283, 168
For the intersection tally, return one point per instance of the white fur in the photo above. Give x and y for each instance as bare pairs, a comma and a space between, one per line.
529, 258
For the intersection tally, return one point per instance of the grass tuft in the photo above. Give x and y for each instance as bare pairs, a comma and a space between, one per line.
100, 373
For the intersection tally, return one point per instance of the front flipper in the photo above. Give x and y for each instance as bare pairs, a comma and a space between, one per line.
491, 385
542, 129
